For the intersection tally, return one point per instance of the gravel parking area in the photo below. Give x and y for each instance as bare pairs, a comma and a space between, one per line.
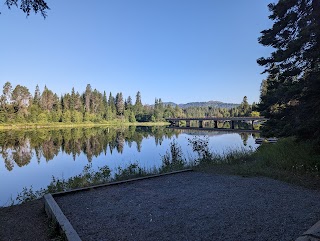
193, 206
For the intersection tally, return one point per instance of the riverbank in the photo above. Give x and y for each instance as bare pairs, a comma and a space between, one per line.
17, 126
287, 160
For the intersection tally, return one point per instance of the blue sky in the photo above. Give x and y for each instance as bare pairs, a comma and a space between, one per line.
177, 50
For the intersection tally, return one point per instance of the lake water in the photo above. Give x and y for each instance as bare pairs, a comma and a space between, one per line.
31, 157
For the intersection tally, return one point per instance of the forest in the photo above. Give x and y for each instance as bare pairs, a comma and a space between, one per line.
18, 105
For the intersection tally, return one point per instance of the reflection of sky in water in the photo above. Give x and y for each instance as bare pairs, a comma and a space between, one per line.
40, 174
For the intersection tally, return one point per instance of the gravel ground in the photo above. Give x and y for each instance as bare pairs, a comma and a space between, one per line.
24, 222
193, 206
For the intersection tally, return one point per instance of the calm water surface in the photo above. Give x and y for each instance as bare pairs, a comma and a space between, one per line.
31, 157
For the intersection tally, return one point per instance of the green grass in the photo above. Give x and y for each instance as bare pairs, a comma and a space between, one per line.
287, 160
289, 155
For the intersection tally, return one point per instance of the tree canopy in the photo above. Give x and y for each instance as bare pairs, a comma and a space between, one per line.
290, 94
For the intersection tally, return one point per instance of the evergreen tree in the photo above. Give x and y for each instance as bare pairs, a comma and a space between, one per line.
290, 94
111, 103
128, 102
245, 109
105, 101
37, 96
28, 6
119, 104
87, 98
78, 103
138, 99
72, 99
138, 104
96, 102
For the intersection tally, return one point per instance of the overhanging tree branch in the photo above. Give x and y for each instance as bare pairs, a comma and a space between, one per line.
28, 6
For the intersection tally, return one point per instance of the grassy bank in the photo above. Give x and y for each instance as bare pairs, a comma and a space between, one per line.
287, 160
75, 125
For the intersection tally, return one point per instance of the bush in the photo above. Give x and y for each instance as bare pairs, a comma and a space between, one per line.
174, 159
201, 147
132, 171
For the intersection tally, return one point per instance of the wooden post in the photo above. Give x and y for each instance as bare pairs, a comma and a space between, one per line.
252, 125
232, 124
187, 123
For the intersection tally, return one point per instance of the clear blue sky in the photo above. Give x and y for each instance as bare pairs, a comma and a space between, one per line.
177, 50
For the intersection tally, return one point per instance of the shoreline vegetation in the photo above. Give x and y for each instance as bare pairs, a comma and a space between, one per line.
287, 160
20, 109
114, 123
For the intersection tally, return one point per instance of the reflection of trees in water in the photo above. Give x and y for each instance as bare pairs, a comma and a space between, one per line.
120, 142
15, 149
23, 153
19, 146
8, 160
49, 150
244, 137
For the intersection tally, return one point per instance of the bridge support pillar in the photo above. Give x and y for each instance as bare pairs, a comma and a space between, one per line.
232, 124
252, 124
200, 123
216, 124
187, 123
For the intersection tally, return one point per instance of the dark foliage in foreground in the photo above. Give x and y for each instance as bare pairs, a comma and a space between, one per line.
290, 94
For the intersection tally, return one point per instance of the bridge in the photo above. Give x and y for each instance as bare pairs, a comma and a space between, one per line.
175, 122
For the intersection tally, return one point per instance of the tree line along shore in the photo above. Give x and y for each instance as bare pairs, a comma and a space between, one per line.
19, 108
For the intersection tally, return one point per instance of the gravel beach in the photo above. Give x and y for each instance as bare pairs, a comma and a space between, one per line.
193, 206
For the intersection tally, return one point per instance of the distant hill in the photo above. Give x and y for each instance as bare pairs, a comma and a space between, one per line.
211, 103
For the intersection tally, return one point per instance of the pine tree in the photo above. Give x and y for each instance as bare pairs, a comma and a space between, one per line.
72, 99
245, 107
119, 104
111, 103
291, 96
87, 98
37, 96
128, 103
138, 103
